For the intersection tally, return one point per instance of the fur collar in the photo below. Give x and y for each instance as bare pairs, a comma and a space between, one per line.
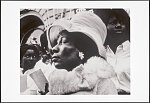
83, 77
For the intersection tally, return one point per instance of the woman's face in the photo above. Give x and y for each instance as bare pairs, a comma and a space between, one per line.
64, 53
29, 59
116, 25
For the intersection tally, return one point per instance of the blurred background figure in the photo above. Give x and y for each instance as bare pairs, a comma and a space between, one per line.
118, 48
118, 28
29, 56
31, 62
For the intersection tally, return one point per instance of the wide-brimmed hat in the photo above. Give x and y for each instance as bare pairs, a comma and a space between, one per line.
29, 22
85, 22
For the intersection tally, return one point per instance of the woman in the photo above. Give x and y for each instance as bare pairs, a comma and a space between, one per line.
78, 55
118, 48
118, 27
29, 56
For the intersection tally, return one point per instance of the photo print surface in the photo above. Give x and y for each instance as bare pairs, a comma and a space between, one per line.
77, 51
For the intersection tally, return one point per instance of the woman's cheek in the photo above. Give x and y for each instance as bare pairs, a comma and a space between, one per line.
110, 27
68, 51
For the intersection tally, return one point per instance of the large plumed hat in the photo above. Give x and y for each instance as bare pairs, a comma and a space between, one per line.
85, 22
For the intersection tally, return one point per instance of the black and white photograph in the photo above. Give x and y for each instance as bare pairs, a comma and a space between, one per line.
75, 51
80, 51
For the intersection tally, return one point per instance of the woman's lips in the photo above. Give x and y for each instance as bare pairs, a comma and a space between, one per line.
30, 62
55, 58
118, 30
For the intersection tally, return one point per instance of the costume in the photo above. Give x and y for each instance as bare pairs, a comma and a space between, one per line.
92, 78
120, 62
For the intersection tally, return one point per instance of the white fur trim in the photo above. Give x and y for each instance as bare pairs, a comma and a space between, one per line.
82, 77
99, 66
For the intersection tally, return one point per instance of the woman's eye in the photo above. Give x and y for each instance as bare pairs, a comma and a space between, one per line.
27, 56
64, 40
34, 56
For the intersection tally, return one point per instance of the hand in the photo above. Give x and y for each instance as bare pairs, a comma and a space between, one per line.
46, 90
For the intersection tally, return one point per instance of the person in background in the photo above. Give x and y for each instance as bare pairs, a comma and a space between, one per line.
78, 56
29, 63
118, 48
29, 56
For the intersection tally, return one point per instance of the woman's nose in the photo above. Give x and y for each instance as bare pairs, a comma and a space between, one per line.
55, 49
31, 58
118, 26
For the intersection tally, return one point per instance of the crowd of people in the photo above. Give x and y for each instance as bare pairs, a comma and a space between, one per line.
83, 56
